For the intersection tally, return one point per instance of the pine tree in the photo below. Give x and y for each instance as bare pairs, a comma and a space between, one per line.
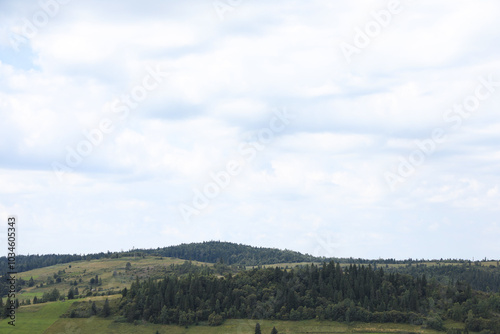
164, 315
274, 331
54, 295
106, 310
257, 329
6, 310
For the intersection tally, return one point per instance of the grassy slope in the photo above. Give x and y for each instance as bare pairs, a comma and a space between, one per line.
86, 270
37, 318
44, 318
98, 325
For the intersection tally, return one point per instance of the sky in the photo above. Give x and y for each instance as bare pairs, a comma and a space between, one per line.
342, 129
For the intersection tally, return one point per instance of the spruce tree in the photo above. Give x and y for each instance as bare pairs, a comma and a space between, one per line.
257, 329
106, 310
6, 309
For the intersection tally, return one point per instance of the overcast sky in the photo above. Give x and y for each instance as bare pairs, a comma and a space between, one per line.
337, 128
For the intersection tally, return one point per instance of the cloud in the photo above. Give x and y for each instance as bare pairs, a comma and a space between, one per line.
321, 175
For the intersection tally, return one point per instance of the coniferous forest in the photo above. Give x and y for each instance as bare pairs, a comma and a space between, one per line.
244, 283
353, 293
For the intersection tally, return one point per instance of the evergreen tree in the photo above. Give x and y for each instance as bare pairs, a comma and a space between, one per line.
330, 292
215, 319
257, 329
106, 310
54, 295
274, 331
6, 309
183, 319
164, 315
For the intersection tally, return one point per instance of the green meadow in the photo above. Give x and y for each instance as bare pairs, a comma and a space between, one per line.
46, 318
35, 318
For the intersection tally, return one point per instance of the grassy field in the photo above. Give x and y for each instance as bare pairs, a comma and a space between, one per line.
45, 318
112, 272
35, 318
99, 325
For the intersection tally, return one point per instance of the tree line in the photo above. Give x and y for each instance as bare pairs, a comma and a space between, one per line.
481, 278
226, 253
353, 293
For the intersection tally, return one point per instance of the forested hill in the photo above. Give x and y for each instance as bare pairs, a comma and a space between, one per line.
231, 253
484, 276
480, 277
210, 251
327, 292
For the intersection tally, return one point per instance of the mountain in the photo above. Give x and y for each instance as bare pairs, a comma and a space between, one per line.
231, 254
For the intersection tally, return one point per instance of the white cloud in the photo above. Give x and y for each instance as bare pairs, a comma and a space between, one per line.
323, 175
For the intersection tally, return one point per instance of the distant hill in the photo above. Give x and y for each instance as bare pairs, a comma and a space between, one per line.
481, 275
231, 254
